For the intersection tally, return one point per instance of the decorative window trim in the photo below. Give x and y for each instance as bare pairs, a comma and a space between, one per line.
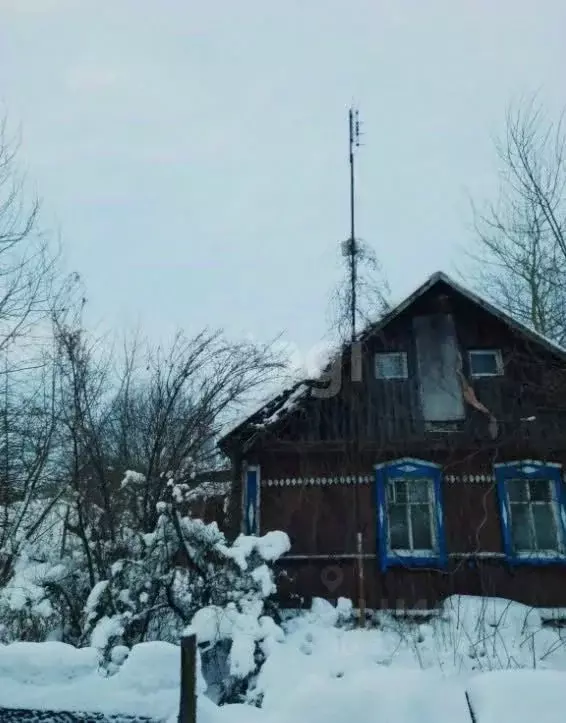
404, 364
528, 469
411, 469
498, 363
251, 496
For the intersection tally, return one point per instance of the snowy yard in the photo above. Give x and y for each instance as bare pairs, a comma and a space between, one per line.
320, 669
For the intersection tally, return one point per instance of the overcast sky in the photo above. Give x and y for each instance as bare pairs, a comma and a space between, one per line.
193, 156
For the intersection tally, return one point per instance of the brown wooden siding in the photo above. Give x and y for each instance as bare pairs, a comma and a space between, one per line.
398, 588
320, 520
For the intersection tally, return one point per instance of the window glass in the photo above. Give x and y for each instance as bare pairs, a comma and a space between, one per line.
391, 365
545, 527
520, 527
539, 491
410, 514
534, 525
420, 519
418, 491
485, 363
398, 528
517, 490
400, 491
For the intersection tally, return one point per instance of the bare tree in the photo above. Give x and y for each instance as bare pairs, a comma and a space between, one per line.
521, 258
28, 415
157, 412
27, 268
372, 292
29, 488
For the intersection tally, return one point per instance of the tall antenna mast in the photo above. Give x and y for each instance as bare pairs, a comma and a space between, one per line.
352, 244
351, 250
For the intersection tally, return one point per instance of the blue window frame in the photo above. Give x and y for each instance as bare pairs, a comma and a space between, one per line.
251, 495
410, 524
531, 505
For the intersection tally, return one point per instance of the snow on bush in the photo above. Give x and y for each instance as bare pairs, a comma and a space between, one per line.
26, 607
242, 624
88, 587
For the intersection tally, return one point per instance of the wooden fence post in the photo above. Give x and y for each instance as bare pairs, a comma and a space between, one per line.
470, 708
188, 701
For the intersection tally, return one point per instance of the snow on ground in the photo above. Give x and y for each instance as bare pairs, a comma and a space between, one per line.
389, 696
319, 668
56, 676
519, 696
468, 636
325, 669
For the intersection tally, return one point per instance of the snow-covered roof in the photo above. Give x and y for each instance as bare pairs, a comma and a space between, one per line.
208, 489
274, 410
290, 399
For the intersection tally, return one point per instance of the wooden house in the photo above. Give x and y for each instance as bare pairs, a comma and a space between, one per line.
427, 460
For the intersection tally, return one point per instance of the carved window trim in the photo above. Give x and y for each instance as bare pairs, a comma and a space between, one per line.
526, 470
412, 470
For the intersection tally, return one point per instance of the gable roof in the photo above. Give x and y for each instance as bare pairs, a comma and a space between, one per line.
284, 403
440, 276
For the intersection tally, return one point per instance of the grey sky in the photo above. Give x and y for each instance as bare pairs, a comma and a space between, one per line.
193, 156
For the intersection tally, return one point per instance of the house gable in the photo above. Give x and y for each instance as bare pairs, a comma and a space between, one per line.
433, 330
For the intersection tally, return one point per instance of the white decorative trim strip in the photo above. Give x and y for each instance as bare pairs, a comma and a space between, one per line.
469, 478
330, 556
316, 481
366, 479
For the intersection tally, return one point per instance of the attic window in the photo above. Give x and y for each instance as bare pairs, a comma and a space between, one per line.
485, 363
391, 365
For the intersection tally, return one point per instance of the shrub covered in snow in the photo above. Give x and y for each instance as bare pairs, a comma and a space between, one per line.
118, 591
237, 636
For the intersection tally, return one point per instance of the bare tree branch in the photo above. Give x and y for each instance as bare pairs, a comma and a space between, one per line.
521, 259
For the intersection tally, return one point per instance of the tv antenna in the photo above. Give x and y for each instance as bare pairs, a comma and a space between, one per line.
350, 247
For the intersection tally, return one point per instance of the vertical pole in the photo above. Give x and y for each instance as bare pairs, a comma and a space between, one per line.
355, 374
353, 249
188, 701
361, 581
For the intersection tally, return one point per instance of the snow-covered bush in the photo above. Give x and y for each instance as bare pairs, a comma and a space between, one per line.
114, 593
238, 635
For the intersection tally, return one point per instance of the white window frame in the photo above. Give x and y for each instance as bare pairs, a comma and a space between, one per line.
413, 551
404, 364
498, 363
529, 503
